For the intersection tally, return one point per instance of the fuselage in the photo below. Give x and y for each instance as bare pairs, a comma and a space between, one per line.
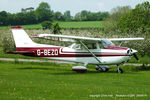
107, 56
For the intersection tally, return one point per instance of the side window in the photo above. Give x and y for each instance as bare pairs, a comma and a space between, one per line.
91, 46
77, 46
101, 45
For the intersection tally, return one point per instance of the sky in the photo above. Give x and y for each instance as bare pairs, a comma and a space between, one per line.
75, 6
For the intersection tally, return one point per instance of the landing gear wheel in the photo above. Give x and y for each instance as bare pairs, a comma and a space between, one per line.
119, 70
104, 69
97, 68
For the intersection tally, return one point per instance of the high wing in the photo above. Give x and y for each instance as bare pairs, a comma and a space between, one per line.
125, 39
86, 38
67, 37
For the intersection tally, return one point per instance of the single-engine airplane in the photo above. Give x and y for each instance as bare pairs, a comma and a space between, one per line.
97, 51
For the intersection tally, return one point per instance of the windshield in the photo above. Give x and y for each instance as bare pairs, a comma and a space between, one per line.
107, 43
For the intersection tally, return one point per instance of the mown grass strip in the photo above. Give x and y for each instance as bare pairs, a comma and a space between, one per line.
64, 25
52, 81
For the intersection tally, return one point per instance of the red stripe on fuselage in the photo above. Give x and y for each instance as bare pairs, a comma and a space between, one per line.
35, 48
55, 52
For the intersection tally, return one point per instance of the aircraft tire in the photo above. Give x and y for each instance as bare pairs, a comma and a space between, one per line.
120, 71
105, 69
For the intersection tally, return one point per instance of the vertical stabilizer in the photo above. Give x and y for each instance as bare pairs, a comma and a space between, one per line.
21, 37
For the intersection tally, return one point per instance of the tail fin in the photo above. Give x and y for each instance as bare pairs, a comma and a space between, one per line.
21, 37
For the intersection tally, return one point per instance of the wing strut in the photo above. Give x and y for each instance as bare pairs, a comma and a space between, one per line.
90, 51
120, 43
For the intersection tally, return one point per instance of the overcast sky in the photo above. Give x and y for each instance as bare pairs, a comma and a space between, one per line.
74, 6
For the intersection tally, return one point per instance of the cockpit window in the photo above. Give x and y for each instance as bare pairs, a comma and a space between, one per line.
91, 45
77, 46
101, 45
107, 43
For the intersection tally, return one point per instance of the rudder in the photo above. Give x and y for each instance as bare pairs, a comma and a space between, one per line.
21, 38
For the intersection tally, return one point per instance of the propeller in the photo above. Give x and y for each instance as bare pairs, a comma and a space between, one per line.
133, 53
136, 57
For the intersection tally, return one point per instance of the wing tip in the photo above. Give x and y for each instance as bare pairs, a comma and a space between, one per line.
17, 27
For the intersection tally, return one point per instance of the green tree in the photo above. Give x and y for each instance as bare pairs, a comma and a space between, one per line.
110, 23
84, 15
138, 18
30, 17
78, 17
58, 16
67, 15
117, 12
91, 16
46, 24
3, 18
56, 28
21, 18
43, 12
10, 19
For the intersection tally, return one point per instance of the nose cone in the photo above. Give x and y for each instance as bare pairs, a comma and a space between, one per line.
133, 51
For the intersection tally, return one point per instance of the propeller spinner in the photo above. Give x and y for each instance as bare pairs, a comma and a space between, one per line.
133, 53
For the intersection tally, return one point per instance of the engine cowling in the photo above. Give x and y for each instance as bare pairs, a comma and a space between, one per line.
79, 69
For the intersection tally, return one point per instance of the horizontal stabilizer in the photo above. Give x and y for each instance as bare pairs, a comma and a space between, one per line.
21, 52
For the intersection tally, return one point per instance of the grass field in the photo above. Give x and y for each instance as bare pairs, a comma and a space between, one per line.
83, 24
45, 81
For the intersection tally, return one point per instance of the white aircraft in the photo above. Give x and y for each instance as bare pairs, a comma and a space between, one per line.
97, 51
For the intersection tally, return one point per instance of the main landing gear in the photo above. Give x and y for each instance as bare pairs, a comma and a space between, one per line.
103, 68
